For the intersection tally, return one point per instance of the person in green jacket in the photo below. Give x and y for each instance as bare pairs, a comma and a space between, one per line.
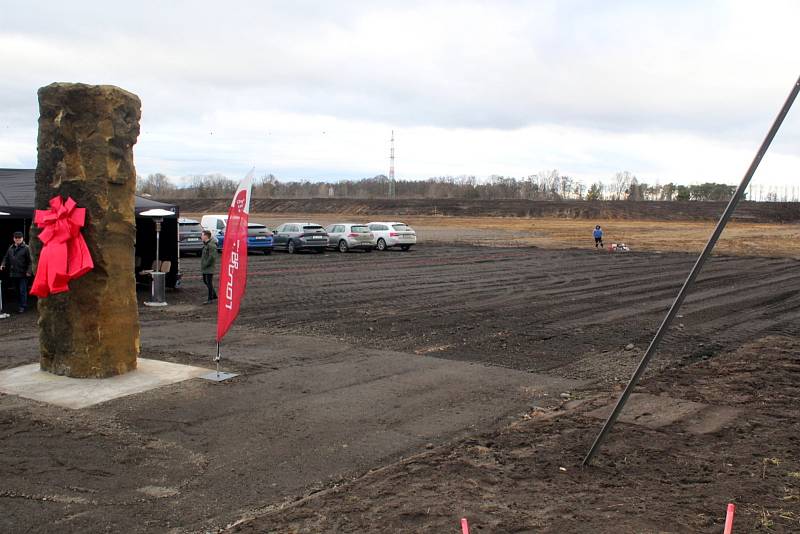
208, 261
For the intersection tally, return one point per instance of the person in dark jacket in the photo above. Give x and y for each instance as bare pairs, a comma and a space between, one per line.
208, 261
18, 262
598, 236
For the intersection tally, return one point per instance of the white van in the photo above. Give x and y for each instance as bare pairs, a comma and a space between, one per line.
214, 223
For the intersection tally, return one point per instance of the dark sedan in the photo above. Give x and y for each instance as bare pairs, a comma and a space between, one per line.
189, 241
295, 236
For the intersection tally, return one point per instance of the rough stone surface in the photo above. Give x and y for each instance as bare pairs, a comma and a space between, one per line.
85, 150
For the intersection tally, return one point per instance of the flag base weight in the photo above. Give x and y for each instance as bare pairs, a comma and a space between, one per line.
217, 376
5, 315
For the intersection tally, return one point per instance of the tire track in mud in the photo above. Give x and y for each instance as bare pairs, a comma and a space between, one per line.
524, 308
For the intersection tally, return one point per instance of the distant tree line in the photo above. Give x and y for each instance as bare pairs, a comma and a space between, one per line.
546, 185
197, 186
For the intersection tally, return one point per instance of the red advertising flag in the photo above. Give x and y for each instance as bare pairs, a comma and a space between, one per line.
233, 272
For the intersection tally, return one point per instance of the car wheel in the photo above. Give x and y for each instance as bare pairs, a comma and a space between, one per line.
290, 247
342, 246
321, 250
368, 249
405, 247
381, 245
267, 251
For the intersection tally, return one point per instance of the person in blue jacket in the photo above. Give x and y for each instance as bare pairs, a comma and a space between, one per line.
598, 236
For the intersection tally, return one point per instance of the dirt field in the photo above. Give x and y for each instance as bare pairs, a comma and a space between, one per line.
521, 308
401, 391
739, 238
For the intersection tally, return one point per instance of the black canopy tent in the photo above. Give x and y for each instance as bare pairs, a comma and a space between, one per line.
18, 198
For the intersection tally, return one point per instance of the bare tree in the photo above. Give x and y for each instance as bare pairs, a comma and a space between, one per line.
566, 186
156, 185
549, 184
635, 190
621, 183
212, 185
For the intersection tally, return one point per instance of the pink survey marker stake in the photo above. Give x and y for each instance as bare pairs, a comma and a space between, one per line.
464, 526
729, 518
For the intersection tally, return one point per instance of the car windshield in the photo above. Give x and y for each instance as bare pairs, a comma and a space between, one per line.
255, 225
401, 227
313, 228
190, 227
359, 229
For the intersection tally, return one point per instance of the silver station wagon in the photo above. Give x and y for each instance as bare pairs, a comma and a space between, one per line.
350, 236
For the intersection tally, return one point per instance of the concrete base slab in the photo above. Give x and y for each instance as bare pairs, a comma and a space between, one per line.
30, 382
220, 376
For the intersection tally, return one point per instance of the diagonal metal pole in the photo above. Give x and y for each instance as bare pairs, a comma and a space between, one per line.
726, 215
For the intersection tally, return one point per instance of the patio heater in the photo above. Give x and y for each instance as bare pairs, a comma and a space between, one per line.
158, 287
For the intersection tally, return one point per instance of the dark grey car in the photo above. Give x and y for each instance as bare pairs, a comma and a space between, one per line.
294, 236
189, 232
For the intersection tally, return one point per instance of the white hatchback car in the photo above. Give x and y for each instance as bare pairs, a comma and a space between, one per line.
392, 234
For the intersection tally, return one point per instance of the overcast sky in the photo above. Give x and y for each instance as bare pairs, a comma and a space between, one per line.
679, 91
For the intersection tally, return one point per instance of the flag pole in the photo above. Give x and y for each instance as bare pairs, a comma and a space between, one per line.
217, 359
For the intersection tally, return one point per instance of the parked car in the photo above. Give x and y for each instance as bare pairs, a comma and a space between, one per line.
294, 236
349, 236
214, 223
189, 237
259, 238
392, 234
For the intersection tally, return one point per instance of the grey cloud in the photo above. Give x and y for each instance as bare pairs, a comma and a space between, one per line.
590, 66
615, 66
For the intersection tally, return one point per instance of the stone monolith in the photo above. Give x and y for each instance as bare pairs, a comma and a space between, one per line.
85, 151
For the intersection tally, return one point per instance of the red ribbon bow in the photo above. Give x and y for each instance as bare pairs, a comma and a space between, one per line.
64, 255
